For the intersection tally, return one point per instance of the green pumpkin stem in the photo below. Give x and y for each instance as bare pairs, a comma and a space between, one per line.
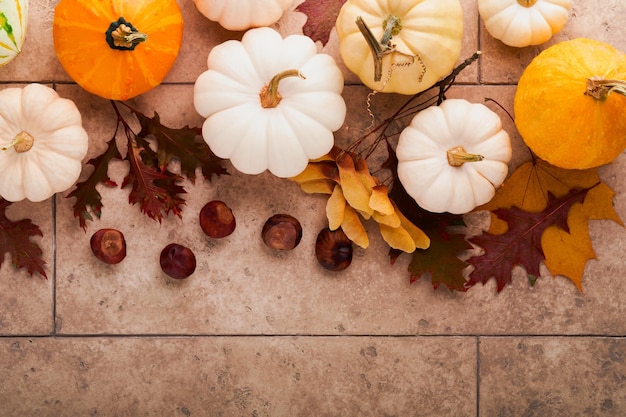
457, 156
600, 89
379, 49
269, 95
22, 142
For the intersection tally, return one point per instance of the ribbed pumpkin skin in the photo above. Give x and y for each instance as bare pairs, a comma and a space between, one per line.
432, 30
13, 19
557, 121
79, 41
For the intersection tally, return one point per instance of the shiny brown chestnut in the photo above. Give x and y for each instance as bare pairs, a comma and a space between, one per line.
217, 219
108, 245
333, 249
177, 261
282, 232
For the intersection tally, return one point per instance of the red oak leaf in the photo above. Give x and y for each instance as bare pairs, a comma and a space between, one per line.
88, 199
521, 243
157, 192
321, 18
185, 145
15, 239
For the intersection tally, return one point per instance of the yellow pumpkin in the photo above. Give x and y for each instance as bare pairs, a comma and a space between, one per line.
570, 104
117, 49
400, 46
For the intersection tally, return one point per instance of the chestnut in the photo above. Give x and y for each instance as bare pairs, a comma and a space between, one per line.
108, 245
177, 261
216, 219
333, 249
282, 232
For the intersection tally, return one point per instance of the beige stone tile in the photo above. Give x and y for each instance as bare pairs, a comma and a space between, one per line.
26, 302
552, 377
258, 376
241, 287
504, 64
37, 62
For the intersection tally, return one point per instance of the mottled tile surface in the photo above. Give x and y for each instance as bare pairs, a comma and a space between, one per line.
255, 332
240, 376
544, 377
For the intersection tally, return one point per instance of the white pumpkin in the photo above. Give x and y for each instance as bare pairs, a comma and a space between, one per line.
521, 23
42, 143
452, 157
243, 14
270, 103
13, 18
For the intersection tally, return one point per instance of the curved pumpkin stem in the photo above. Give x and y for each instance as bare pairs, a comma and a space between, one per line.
600, 89
22, 142
457, 156
124, 36
393, 26
269, 95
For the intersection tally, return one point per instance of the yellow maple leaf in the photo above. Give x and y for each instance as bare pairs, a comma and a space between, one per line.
530, 186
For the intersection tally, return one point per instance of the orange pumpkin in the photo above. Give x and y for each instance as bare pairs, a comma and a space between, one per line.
117, 49
570, 104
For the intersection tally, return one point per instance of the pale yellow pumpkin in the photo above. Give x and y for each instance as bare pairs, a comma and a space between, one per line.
13, 18
400, 46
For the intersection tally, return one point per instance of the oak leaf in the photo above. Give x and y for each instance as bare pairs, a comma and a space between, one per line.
182, 144
157, 192
321, 18
16, 240
88, 199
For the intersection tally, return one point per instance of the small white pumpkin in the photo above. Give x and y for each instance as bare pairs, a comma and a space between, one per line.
13, 18
42, 143
243, 14
452, 157
270, 103
521, 23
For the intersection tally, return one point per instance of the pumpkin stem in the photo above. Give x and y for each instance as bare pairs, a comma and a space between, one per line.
393, 26
527, 3
22, 142
600, 89
457, 156
269, 95
124, 36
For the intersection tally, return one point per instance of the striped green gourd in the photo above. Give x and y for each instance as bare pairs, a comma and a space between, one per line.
13, 17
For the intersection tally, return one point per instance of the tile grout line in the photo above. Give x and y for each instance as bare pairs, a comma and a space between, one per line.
54, 266
477, 376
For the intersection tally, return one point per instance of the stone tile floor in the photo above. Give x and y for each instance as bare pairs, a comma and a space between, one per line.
256, 333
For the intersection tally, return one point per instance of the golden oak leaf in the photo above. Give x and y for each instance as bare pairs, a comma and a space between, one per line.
323, 170
335, 208
379, 200
421, 239
318, 187
353, 228
356, 193
391, 220
397, 238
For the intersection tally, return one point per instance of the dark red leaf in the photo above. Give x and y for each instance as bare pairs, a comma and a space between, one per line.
184, 144
157, 192
15, 239
88, 199
321, 18
521, 244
